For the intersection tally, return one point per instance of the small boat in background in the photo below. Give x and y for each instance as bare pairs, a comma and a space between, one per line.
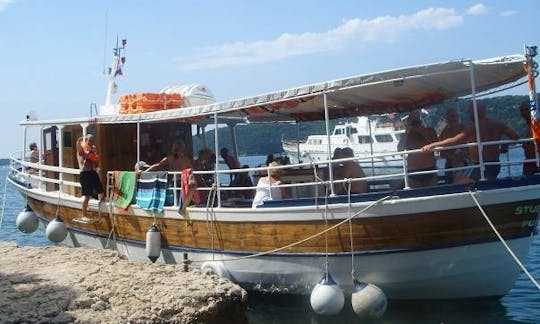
366, 137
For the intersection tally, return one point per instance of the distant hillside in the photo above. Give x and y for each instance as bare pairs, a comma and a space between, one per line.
257, 139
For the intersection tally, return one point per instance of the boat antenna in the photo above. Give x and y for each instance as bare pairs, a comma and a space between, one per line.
116, 69
105, 41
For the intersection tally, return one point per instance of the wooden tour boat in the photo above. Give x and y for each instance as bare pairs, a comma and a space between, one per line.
413, 243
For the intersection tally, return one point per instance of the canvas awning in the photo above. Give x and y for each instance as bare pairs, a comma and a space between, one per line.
398, 90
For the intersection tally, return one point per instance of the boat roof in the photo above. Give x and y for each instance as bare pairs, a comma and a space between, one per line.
398, 90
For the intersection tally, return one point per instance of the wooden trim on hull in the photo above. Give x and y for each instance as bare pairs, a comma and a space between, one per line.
370, 234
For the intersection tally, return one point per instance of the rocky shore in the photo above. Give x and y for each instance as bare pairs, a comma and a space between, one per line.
66, 285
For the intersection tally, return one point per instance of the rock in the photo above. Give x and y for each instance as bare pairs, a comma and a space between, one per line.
66, 285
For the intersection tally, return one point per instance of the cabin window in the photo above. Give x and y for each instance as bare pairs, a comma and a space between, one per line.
364, 139
386, 138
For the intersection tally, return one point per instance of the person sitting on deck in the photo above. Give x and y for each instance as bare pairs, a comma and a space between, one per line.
351, 170
490, 130
267, 187
33, 156
244, 180
231, 161
416, 135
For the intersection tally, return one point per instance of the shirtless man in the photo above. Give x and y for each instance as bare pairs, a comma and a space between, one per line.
415, 137
177, 160
87, 158
454, 158
351, 170
490, 130
231, 161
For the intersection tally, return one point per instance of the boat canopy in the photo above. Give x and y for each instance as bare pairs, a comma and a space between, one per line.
398, 90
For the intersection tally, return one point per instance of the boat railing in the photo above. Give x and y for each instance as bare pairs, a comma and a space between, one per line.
38, 175
302, 180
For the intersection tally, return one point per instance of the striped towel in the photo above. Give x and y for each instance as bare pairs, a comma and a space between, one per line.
126, 188
151, 192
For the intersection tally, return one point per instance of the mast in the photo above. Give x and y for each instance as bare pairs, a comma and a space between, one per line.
115, 69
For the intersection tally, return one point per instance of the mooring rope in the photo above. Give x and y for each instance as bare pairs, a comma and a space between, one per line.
503, 242
113, 223
305, 239
326, 234
210, 200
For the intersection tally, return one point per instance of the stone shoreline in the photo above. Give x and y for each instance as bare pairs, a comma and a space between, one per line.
66, 285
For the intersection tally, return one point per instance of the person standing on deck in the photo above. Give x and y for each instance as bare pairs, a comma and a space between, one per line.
454, 158
89, 179
416, 135
528, 147
490, 130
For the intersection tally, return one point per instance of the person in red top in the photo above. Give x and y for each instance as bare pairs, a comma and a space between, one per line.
528, 147
89, 179
490, 130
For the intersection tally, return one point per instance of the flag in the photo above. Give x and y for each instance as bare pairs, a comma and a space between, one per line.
118, 70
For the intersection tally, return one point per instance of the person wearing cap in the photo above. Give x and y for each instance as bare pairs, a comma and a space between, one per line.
490, 130
416, 135
141, 166
267, 187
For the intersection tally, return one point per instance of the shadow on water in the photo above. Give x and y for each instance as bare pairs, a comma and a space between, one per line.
264, 309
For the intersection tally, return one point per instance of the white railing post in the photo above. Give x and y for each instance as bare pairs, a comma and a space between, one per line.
476, 123
329, 146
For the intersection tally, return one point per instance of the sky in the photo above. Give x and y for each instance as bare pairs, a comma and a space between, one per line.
54, 53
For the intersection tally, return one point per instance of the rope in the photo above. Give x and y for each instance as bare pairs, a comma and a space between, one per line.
503, 242
58, 202
350, 229
113, 226
326, 235
3, 202
210, 200
307, 238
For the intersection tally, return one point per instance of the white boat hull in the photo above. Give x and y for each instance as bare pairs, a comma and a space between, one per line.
445, 273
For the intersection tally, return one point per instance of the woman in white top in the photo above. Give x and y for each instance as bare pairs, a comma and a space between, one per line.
267, 187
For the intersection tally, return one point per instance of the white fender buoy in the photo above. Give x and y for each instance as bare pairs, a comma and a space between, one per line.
218, 268
56, 230
153, 243
368, 301
327, 298
27, 221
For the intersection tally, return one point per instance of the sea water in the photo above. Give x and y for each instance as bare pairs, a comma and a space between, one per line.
520, 305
